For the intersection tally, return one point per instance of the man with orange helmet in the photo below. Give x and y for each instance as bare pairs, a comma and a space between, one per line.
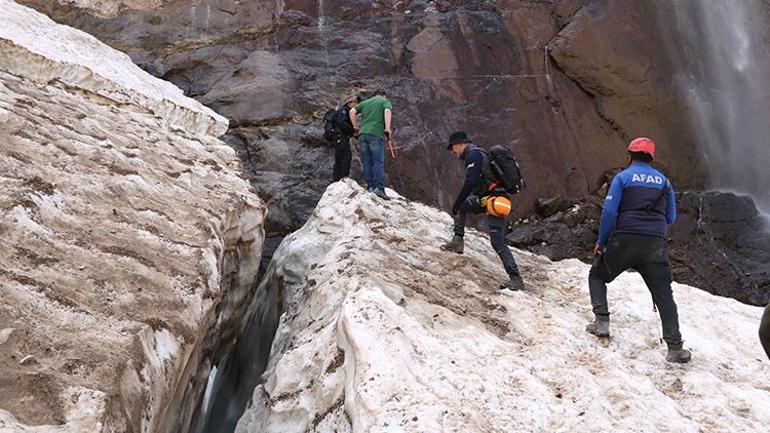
639, 206
476, 197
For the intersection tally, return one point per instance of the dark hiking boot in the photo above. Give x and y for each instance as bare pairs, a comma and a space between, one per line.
599, 327
514, 284
456, 245
678, 354
380, 192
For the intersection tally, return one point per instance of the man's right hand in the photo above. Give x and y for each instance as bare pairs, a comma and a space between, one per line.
388, 133
597, 249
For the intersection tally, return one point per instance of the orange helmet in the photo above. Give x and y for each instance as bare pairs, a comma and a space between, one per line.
498, 206
643, 145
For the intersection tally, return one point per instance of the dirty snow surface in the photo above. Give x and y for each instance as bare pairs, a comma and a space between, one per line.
383, 332
128, 246
34, 46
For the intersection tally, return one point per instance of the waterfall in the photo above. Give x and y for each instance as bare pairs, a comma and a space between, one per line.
231, 384
720, 51
323, 35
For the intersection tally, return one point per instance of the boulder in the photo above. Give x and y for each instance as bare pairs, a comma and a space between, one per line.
547, 206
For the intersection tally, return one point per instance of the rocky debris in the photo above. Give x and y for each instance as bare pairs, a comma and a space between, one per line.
719, 243
131, 246
722, 243
555, 238
383, 331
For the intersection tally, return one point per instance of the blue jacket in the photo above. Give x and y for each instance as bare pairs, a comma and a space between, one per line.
640, 201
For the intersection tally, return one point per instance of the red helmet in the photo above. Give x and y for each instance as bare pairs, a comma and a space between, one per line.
642, 144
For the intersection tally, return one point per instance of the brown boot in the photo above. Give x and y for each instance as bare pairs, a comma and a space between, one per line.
514, 284
677, 354
600, 327
456, 245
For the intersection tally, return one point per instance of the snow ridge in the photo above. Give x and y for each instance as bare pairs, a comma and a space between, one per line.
35, 47
384, 332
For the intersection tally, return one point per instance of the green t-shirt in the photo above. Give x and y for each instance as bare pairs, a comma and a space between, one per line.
372, 113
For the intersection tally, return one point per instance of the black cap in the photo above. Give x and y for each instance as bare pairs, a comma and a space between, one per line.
380, 91
458, 138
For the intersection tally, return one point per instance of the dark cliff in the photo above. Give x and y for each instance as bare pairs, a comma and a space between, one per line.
565, 83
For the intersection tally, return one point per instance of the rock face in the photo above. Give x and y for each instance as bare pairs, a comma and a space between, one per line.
131, 244
273, 67
620, 53
382, 331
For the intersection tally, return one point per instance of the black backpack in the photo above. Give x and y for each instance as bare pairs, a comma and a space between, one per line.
505, 169
330, 125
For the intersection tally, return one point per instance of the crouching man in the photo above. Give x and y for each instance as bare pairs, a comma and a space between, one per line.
477, 197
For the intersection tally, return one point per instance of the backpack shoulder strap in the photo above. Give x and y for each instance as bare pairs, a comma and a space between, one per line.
487, 174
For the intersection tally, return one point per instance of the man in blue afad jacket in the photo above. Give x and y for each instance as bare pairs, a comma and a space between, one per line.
632, 234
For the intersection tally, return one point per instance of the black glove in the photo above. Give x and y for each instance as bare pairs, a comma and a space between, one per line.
598, 257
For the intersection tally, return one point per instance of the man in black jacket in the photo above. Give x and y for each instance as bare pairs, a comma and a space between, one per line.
478, 178
344, 131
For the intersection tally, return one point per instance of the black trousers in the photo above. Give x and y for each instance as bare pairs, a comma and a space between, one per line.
764, 331
496, 232
649, 256
342, 157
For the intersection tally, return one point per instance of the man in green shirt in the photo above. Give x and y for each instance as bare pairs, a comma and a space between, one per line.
373, 129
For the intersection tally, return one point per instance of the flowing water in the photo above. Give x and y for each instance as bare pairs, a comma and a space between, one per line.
324, 37
231, 383
721, 50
